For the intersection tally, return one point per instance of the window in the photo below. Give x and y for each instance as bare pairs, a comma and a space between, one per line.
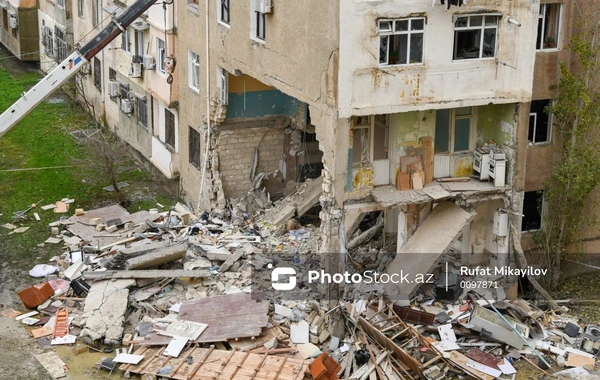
61, 45
49, 43
80, 7
194, 71
224, 11
260, 25
126, 41
97, 73
533, 203
44, 34
112, 74
5, 18
60, 3
540, 122
96, 12
453, 130
170, 129
194, 148
123, 91
548, 24
401, 41
257, 21
139, 42
364, 130
161, 56
141, 103
222, 83
475, 36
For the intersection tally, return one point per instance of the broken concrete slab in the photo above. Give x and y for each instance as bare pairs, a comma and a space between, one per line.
152, 273
428, 243
53, 364
104, 311
231, 260
157, 257
299, 332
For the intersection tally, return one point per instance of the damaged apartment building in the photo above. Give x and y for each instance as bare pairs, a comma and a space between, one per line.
131, 86
418, 111
400, 94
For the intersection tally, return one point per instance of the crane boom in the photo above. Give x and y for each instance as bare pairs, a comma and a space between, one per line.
71, 65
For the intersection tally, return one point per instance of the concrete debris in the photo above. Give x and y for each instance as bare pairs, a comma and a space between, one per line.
190, 294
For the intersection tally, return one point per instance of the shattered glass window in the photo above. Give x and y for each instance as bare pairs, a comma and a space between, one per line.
475, 37
401, 41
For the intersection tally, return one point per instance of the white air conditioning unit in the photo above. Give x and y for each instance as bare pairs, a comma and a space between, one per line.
126, 106
113, 88
13, 22
148, 62
265, 6
136, 70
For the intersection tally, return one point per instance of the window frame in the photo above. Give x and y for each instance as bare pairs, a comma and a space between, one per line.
126, 41
161, 56
97, 69
224, 12
170, 130
80, 8
138, 42
193, 67
389, 33
194, 148
141, 105
369, 123
223, 85
60, 4
61, 44
541, 209
543, 40
257, 23
453, 118
538, 121
481, 28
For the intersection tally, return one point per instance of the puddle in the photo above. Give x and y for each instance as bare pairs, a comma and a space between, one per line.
82, 366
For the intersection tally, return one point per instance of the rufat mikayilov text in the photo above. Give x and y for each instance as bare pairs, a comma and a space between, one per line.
502, 271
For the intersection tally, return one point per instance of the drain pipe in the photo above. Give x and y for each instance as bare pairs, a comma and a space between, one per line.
205, 163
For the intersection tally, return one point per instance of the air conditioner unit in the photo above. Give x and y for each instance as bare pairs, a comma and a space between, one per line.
13, 22
148, 62
265, 6
126, 106
113, 89
136, 70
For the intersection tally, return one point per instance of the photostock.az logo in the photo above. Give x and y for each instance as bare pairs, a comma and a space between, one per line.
283, 271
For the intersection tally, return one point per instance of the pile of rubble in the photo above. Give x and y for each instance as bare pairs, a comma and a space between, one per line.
182, 295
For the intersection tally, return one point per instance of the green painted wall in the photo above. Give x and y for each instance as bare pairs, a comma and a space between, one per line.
260, 103
495, 122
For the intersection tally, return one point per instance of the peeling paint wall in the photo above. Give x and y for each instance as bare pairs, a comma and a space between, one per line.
439, 82
495, 122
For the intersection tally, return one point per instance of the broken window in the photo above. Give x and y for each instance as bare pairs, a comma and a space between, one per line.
5, 18
97, 73
540, 122
80, 8
369, 139
475, 36
194, 147
401, 41
260, 25
548, 25
224, 12
532, 210
61, 45
194, 71
360, 140
169, 129
453, 130
60, 3
142, 110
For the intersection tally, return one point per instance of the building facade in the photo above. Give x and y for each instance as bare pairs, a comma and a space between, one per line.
19, 30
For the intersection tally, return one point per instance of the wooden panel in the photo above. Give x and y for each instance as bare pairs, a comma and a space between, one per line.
209, 364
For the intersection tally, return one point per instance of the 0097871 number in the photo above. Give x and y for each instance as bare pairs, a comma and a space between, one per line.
472, 284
